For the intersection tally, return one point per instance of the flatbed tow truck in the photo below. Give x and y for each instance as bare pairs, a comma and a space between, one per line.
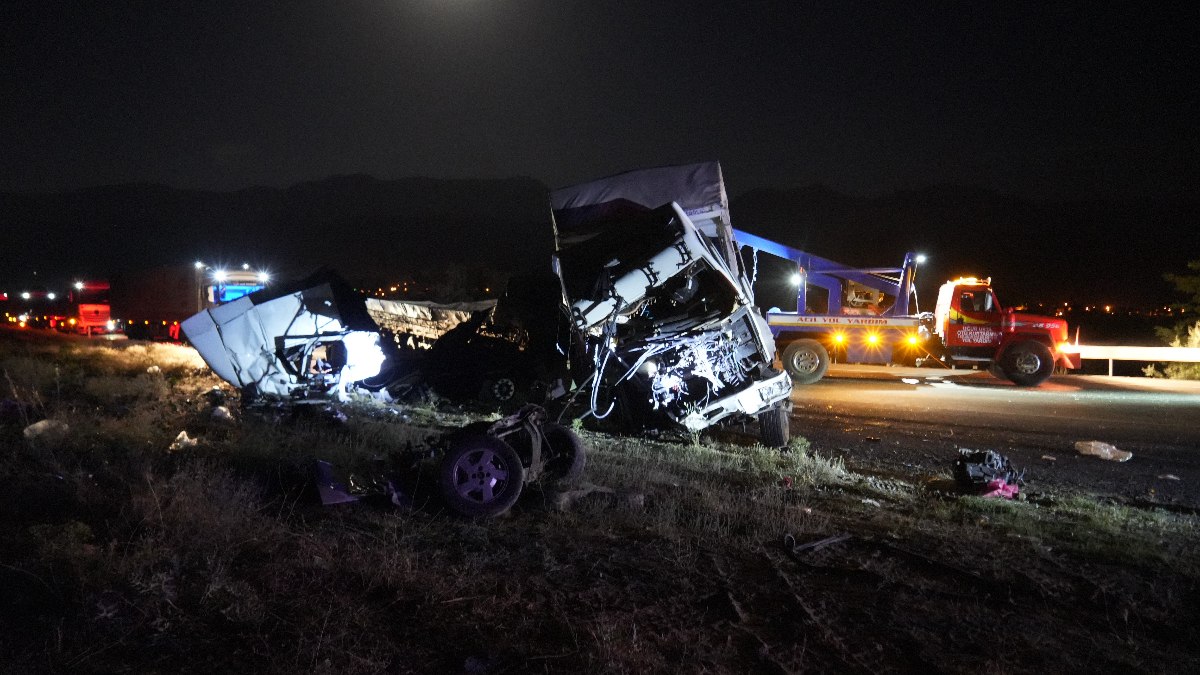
865, 318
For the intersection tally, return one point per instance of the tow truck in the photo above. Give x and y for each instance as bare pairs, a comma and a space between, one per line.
864, 318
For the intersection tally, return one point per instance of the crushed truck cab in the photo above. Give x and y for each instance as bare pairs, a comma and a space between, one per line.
665, 323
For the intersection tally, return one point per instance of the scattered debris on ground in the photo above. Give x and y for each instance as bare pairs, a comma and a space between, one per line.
1102, 450
182, 442
46, 433
986, 473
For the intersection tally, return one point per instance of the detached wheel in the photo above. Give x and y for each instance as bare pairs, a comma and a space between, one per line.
774, 428
480, 476
566, 457
1028, 363
806, 361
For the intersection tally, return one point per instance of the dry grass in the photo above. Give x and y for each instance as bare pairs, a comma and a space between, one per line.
119, 556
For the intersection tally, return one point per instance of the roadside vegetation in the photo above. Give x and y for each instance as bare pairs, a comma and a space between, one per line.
121, 554
1185, 333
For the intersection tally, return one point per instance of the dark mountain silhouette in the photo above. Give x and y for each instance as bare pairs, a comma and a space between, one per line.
357, 224
1096, 252
375, 229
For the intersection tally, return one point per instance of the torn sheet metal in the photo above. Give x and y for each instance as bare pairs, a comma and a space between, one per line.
669, 324
314, 336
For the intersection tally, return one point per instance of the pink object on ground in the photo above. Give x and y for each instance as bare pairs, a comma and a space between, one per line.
1001, 489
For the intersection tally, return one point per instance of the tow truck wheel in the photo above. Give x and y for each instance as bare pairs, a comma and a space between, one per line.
565, 456
1028, 363
806, 361
774, 428
480, 476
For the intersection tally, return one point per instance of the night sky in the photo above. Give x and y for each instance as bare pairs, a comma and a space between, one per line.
1037, 100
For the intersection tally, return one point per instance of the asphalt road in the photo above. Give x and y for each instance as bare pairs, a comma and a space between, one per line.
902, 421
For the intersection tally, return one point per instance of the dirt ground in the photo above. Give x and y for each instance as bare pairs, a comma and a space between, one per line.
119, 555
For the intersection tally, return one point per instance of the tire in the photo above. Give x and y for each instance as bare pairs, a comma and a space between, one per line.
480, 476
565, 456
501, 390
1027, 364
806, 361
774, 428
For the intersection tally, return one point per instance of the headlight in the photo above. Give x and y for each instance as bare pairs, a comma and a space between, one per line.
649, 368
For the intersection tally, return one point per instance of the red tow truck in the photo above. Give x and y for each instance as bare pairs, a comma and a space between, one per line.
861, 315
971, 326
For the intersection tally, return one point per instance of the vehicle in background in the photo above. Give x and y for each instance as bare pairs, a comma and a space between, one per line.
151, 304
35, 308
861, 315
853, 315
87, 310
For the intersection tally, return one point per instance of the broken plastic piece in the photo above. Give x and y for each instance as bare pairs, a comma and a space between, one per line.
183, 441
1102, 450
50, 431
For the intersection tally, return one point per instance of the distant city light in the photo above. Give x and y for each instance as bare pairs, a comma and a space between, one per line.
25, 296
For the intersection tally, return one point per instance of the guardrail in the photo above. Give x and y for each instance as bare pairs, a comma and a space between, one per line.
1125, 353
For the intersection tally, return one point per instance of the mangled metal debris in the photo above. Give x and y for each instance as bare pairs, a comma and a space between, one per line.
650, 312
307, 339
483, 467
486, 465
986, 473
648, 318
666, 329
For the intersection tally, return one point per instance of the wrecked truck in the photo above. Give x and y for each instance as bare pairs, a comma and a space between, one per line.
314, 340
666, 329
662, 333
310, 339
